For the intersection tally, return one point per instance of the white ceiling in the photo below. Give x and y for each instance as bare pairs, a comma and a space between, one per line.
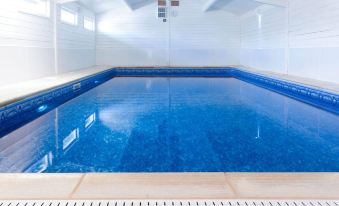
237, 7
99, 6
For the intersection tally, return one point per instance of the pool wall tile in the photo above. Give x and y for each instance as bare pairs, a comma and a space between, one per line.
323, 99
173, 72
14, 115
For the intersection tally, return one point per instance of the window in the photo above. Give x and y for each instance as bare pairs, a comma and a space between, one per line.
69, 17
73, 136
89, 23
35, 7
259, 21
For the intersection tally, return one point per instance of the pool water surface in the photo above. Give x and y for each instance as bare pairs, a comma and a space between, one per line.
134, 124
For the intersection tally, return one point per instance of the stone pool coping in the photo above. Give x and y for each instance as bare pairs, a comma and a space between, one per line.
321, 85
16, 92
106, 186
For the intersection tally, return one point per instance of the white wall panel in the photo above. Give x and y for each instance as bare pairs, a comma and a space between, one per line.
190, 37
131, 38
26, 46
200, 38
76, 45
302, 40
264, 40
314, 39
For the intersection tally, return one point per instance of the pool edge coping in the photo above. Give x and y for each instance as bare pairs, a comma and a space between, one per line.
282, 186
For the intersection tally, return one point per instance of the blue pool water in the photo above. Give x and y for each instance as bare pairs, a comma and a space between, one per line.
176, 125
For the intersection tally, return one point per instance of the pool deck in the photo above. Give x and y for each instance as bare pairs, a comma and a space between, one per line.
328, 86
18, 91
296, 186
161, 185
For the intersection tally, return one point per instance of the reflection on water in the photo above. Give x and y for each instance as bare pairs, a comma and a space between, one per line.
175, 125
42, 164
70, 139
90, 121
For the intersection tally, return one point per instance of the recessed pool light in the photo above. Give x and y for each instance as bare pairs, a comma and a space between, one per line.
42, 108
96, 82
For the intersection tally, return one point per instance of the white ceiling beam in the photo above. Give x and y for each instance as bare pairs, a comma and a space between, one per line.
212, 4
219, 4
65, 1
79, 2
209, 5
137, 4
278, 3
129, 5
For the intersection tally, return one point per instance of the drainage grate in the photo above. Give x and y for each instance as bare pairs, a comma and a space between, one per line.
170, 203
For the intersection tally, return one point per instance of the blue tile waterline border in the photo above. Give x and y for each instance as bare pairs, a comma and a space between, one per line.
14, 115
172, 72
319, 98
17, 114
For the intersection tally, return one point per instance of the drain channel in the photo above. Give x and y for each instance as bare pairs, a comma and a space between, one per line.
170, 203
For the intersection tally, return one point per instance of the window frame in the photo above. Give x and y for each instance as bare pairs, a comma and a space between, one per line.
70, 11
89, 19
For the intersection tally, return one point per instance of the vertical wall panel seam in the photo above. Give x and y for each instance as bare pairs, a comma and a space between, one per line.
287, 49
169, 32
55, 27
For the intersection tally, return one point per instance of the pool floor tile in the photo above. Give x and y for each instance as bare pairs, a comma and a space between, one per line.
38, 186
153, 186
285, 185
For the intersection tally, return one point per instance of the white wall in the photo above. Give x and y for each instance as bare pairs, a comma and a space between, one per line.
131, 38
26, 46
76, 45
199, 38
302, 40
190, 37
263, 42
314, 39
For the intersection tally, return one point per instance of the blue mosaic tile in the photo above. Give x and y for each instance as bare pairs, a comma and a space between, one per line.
173, 72
323, 99
14, 115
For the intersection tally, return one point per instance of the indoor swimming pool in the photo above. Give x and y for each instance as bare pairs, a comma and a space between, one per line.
175, 124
